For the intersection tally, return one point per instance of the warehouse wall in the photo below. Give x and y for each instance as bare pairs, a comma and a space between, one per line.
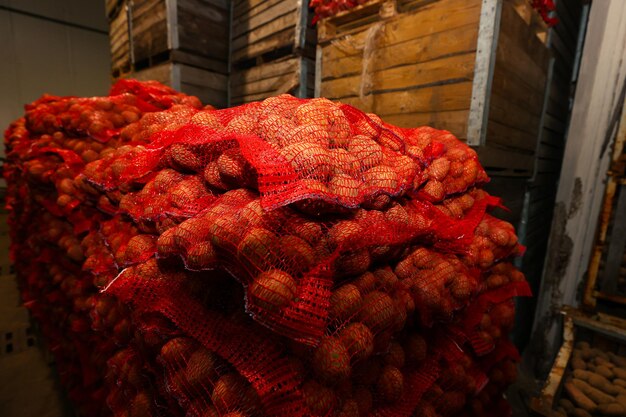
51, 46
581, 183
564, 41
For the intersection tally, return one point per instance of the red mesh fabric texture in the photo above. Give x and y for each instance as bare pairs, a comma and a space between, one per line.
289, 257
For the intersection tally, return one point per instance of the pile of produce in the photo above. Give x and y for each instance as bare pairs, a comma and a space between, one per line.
289, 257
327, 8
596, 385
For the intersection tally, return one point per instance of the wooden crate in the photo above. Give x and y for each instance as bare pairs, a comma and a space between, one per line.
119, 41
293, 74
210, 87
271, 28
474, 67
603, 331
193, 32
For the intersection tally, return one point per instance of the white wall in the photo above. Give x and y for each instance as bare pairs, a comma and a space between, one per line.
41, 56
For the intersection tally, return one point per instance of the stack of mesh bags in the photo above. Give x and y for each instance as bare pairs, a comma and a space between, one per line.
289, 257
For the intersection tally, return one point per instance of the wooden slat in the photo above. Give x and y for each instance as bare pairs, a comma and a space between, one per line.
514, 27
413, 51
421, 100
511, 162
264, 71
552, 138
149, 28
511, 56
266, 86
200, 77
251, 7
510, 137
216, 98
437, 17
277, 34
266, 31
453, 121
507, 113
161, 73
518, 90
246, 23
455, 68
550, 152
203, 28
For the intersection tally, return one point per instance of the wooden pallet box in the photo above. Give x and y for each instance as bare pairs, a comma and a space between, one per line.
119, 40
292, 74
477, 68
603, 332
210, 87
271, 28
193, 32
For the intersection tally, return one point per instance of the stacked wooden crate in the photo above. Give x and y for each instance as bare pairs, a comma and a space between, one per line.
183, 43
474, 67
119, 37
272, 50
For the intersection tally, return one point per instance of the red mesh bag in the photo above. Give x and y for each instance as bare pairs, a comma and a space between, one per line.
289, 257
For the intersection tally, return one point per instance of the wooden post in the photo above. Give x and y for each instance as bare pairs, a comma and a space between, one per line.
488, 30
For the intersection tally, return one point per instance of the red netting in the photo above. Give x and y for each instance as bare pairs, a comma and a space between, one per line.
284, 258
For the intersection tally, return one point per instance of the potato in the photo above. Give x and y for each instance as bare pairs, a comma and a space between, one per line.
331, 360
344, 186
206, 118
319, 398
395, 355
596, 381
620, 361
381, 177
273, 290
211, 175
567, 405
611, 409
345, 301
139, 248
607, 373
296, 253
618, 372
367, 153
304, 229
227, 392
350, 408
366, 282
358, 340
184, 158
594, 394
578, 363
309, 133
580, 412
364, 399
579, 398
310, 160
379, 311
434, 190
202, 255
390, 384
439, 168
234, 168
343, 162
200, 370
352, 263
